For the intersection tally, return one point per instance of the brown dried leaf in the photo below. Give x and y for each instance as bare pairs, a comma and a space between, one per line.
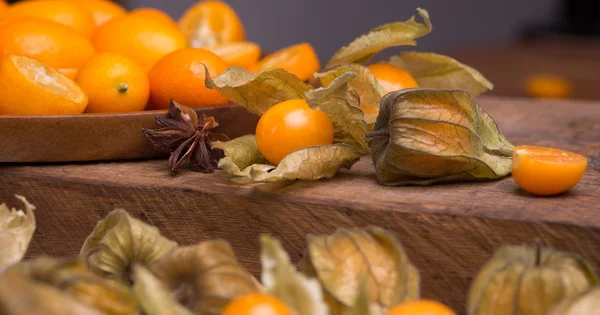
388, 35
120, 241
258, 92
426, 136
204, 277
342, 260
442, 72
16, 230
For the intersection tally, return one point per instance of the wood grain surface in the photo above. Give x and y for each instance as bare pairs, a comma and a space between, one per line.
448, 230
97, 137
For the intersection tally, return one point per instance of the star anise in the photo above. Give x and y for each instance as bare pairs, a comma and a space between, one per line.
188, 138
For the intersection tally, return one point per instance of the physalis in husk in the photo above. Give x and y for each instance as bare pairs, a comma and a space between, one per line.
337, 103
16, 230
428, 70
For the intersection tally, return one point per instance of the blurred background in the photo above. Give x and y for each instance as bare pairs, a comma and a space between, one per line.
511, 42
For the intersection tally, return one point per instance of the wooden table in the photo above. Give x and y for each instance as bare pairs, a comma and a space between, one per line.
449, 231
509, 65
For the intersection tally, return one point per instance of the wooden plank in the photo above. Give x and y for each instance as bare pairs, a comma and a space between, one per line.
448, 230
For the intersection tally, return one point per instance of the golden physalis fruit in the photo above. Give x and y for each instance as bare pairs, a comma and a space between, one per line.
53, 44
528, 280
392, 78
290, 126
300, 59
68, 13
546, 171
210, 23
114, 84
142, 39
101, 10
257, 303
421, 307
29, 87
587, 303
548, 86
240, 54
154, 14
180, 76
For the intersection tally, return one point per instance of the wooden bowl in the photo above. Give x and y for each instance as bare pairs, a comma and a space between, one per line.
98, 137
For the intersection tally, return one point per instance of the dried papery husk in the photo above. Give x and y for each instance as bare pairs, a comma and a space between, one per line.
300, 293
16, 230
437, 71
528, 280
120, 241
388, 35
65, 286
425, 136
343, 260
152, 295
259, 92
586, 303
204, 277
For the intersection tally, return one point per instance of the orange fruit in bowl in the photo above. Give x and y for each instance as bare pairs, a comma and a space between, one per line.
3, 6
29, 87
392, 78
299, 59
180, 76
102, 10
51, 43
113, 84
548, 86
209, 23
68, 13
154, 14
239, 54
142, 39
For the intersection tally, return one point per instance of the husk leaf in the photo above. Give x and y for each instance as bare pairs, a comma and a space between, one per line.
205, 277
342, 260
342, 104
442, 72
281, 279
310, 163
365, 84
258, 92
70, 282
152, 295
120, 241
528, 280
388, 35
587, 303
245, 163
427, 136
16, 230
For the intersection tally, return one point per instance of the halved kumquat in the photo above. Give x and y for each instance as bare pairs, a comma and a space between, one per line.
210, 23
300, 59
546, 171
240, 54
29, 87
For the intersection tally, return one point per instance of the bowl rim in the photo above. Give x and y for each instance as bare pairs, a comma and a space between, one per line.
155, 112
